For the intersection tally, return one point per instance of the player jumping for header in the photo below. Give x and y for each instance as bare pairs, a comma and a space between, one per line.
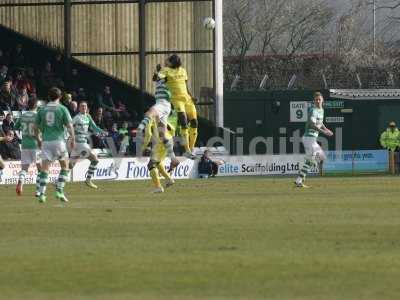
160, 113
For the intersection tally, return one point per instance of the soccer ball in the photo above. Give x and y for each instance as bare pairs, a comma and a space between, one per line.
209, 23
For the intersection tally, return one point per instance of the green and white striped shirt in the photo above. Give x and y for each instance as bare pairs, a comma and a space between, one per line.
82, 124
315, 116
162, 92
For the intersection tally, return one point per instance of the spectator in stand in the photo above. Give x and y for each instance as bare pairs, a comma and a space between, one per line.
122, 111
58, 65
10, 149
47, 77
22, 98
3, 59
98, 118
81, 95
124, 137
8, 123
21, 82
31, 80
74, 82
7, 97
3, 73
2, 117
73, 108
105, 101
17, 58
66, 100
114, 134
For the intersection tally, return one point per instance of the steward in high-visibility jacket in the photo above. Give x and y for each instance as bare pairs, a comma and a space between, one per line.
390, 138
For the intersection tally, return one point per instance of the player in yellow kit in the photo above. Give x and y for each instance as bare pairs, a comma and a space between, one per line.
158, 153
176, 79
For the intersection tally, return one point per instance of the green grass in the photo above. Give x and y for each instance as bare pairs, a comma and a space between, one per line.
240, 238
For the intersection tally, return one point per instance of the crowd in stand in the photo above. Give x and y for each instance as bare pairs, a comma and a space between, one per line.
19, 82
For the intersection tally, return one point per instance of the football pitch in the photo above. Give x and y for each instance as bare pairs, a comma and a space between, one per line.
223, 238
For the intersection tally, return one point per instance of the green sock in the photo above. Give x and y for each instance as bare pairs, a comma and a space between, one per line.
43, 179
92, 169
62, 178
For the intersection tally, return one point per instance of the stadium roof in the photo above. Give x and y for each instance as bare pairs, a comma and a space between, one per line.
365, 94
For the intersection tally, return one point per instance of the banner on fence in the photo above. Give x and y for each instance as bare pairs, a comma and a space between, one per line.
357, 161
10, 173
259, 165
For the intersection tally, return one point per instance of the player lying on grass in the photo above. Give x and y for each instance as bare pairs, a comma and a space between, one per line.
159, 152
159, 113
30, 153
51, 122
83, 124
314, 153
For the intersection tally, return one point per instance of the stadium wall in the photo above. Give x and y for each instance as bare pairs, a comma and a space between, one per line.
268, 114
98, 29
120, 169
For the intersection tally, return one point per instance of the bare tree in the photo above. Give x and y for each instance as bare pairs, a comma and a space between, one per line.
239, 33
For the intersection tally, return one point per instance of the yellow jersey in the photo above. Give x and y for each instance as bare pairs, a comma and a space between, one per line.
176, 80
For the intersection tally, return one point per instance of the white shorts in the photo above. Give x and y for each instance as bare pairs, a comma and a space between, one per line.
313, 149
81, 150
54, 150
30, 156
163, 109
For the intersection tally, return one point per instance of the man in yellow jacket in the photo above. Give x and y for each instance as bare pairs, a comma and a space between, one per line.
390, 138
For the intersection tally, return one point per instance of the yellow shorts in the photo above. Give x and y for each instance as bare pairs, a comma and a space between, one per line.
179, 102
184, 103
191, 111
159, 152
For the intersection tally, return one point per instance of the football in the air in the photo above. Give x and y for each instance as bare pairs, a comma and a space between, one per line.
209, 23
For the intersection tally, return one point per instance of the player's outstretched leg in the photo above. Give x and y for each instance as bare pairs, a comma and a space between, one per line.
143, 124
62, 178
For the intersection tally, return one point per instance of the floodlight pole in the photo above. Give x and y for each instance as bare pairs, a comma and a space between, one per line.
142, 54
219, 63
374, 29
